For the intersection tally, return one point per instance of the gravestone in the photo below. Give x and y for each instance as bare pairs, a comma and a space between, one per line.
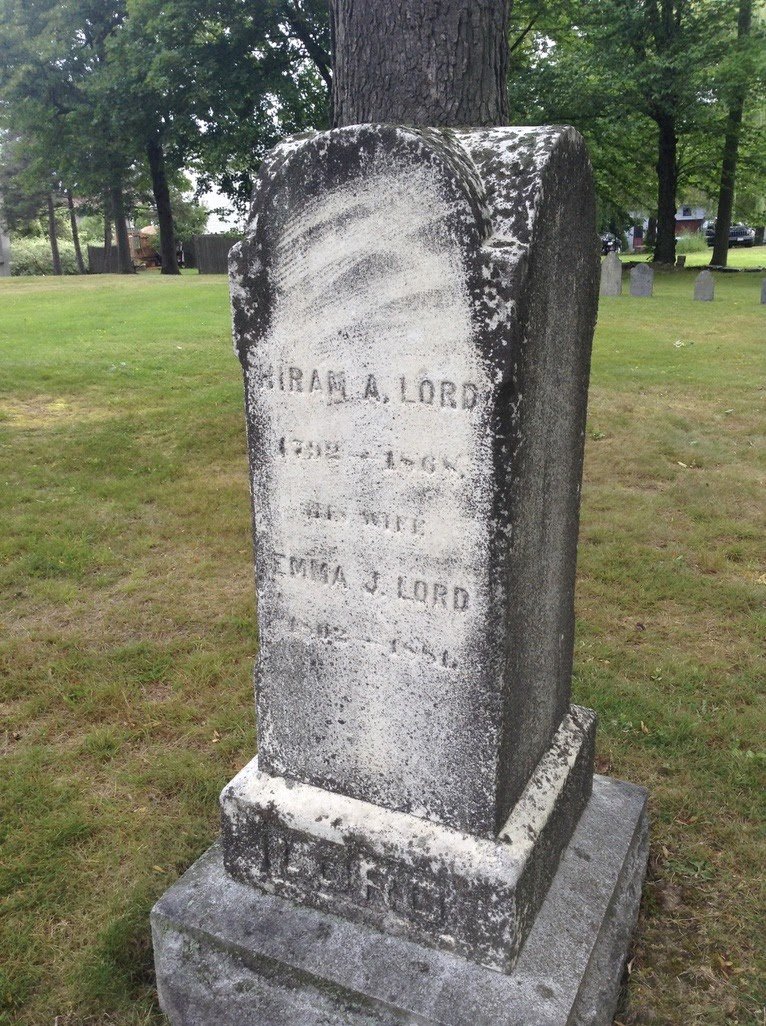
763, 291
681, 262
5, 253
611, 276
420, 837
704, 287
641, 280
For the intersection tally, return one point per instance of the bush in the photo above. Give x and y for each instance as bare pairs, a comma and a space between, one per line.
694, 243
33, 256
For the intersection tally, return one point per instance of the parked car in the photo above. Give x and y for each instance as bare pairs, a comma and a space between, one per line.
609, 244
739, 235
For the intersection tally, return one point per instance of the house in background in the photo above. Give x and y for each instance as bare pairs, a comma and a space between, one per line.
688, 221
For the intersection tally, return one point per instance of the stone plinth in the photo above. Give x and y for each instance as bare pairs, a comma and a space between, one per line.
406, 875
229, 955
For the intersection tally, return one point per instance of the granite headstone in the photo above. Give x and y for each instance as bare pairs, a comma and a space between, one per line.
415, 338
641, 280
704, 287
611, 275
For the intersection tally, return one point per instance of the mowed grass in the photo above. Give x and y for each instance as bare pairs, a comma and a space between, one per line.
128, 628
751, 258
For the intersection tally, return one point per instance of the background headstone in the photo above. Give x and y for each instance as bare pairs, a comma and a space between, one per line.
641, 280
681, 261
611, 275
763, 291
704, 287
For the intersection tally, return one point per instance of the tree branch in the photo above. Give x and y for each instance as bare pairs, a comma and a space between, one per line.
318, 54
520, 39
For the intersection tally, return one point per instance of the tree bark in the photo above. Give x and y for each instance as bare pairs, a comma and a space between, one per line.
161, 191
53, 236
107, 232
75, 233
730, 151
420, 62
667, 181
124, 259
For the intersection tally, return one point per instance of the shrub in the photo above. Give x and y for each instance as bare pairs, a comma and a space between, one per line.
694, 243
33, 256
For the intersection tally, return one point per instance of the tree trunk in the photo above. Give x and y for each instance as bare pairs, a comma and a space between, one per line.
164, 210
420, 62
107, 233
124, 259
75, 233
667, 179
651, 232
53, 236
730, 151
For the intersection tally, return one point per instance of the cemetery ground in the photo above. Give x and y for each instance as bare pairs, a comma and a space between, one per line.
128, 627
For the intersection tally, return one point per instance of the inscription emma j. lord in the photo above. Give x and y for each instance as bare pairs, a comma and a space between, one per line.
329, 573
336, 386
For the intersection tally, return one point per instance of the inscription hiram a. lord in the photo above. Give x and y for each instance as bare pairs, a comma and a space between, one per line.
335, 386
430, 594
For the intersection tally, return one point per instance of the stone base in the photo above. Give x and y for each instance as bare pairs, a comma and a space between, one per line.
227, 955
407, 876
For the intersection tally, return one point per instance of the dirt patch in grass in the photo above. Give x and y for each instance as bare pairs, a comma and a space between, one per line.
46, 411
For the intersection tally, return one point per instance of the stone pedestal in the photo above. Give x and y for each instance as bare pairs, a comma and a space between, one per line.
229, 955
413, 310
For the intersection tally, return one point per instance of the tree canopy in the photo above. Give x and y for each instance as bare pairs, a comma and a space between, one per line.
113, 100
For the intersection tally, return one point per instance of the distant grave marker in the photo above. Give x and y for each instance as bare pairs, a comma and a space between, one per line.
611, 275
704, 287
641, 280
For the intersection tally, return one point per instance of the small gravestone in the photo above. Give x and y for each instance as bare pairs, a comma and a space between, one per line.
763, 291
641, 280
611, 275
421, 838
681, 262
704, 287
5, 254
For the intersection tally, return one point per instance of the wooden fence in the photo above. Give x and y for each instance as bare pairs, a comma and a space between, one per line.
97, 260
211, 252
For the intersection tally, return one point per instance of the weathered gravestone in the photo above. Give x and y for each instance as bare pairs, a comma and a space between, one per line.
704, 287
641, 280
417, 840
611, 275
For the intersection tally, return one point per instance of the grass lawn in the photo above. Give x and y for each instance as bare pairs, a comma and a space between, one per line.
128, 628
753, 257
